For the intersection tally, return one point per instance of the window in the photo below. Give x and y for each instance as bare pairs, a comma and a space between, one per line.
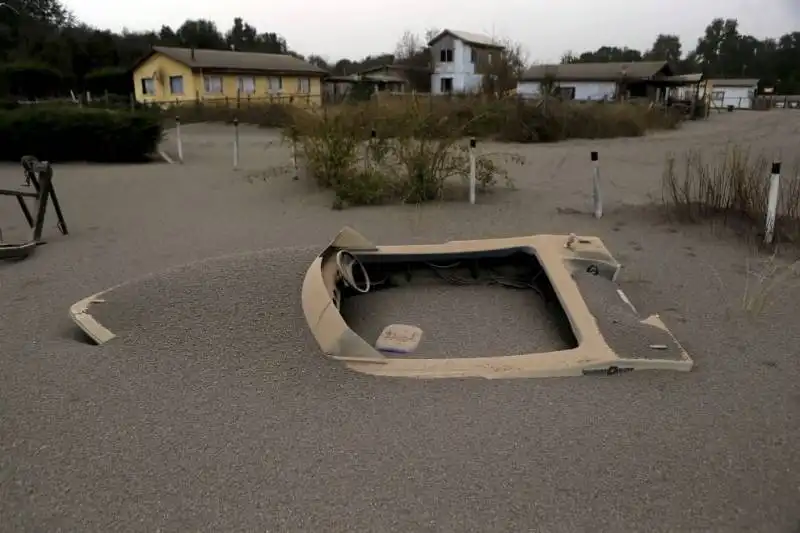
303, 85
446, 85
176, 84
212, 84
566, 93
717, 95
247, 85
489, 58
473, 57
148, 86
275, 84
446, 55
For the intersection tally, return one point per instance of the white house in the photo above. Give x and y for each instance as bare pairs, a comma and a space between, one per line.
460, 59
739, 93
598, 81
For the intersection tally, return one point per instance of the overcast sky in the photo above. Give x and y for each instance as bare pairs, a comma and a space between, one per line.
546, 28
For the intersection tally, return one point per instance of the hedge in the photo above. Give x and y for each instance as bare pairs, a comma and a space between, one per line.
78, 134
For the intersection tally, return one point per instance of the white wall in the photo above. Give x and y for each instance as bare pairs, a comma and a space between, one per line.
584, 90
740, 97
461, 70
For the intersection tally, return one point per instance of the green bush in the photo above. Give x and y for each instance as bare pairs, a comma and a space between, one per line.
78, 134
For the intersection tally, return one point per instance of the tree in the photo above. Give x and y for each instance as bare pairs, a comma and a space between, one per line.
408, 46
718, 49
665, 48
505, 72
610, 54
242, 36
430, 33
318, 61
168, 37
200, 33
568, 57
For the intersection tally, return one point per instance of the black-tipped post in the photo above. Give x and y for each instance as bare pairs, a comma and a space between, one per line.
472, 142
235, 121
776, 168
177, 119
374, 134
595, 157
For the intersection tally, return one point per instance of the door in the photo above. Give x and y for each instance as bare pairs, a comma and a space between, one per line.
446, 85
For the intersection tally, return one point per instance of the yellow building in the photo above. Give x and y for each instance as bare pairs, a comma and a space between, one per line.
174, 75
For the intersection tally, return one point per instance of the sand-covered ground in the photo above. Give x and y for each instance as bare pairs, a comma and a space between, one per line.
214, 411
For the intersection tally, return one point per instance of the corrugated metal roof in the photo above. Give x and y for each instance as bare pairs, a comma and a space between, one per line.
598, 71
370, 78
232, 60
394, 66
688, 78
470, 38
733, 82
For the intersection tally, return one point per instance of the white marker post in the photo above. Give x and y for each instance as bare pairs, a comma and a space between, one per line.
294, 159
473, 178
178, 135
772, 202
370, 145
596, 196
235, 144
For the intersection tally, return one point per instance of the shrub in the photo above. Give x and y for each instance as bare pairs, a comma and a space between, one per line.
415, 152
504, 119
78, 134
733, 189
553, 120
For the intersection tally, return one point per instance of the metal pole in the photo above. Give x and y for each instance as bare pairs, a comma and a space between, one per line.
772, 202
596, 196
235, 144
473, 179
178, 135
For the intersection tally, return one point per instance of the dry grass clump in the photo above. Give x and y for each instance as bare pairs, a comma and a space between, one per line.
766, 278
732, 189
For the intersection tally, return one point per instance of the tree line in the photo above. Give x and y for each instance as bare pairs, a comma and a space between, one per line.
722, 52
45, 51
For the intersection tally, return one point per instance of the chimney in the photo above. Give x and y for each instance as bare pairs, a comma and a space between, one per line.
192, 53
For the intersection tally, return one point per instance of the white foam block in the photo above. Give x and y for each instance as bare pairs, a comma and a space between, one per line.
399, 338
